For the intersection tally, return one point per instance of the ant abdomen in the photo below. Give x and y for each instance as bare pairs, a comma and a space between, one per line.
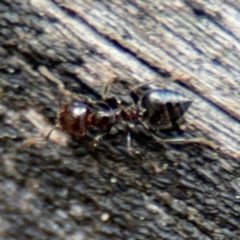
162, 108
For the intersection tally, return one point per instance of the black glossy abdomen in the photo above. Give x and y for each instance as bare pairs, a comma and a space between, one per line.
164, 108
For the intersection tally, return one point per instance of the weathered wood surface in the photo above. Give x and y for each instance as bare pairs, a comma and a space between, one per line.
71, 190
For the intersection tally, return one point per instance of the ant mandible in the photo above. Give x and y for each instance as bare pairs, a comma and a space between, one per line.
157, 110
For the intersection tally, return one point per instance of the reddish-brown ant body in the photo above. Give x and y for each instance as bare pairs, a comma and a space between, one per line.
159, 109
156, 110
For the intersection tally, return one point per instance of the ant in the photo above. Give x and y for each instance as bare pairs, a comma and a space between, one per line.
157, 110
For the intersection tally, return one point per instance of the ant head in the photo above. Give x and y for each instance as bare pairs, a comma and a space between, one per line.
73, 118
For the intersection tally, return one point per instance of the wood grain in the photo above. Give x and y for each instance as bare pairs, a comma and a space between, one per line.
77, 191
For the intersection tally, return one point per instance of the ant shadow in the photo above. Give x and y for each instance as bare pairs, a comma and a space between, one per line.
114, 145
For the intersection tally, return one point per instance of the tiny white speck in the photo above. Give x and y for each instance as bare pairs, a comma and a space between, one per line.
113, 180
105, 217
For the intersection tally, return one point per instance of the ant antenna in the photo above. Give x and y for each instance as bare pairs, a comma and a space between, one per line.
32, 141
60, 97
107, 85
142, 85
133, 93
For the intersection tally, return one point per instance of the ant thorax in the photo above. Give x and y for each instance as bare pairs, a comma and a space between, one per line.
79, 118
158, 109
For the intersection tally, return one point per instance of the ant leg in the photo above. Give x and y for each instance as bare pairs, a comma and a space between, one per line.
60, 96
129, 142
98, 138
47, 137
130, 150
181, 140
77, 96
33, 141
111, 78
105, 89
44, 71
186, 141
47, 74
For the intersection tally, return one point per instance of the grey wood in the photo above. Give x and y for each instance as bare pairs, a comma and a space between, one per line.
69, 189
